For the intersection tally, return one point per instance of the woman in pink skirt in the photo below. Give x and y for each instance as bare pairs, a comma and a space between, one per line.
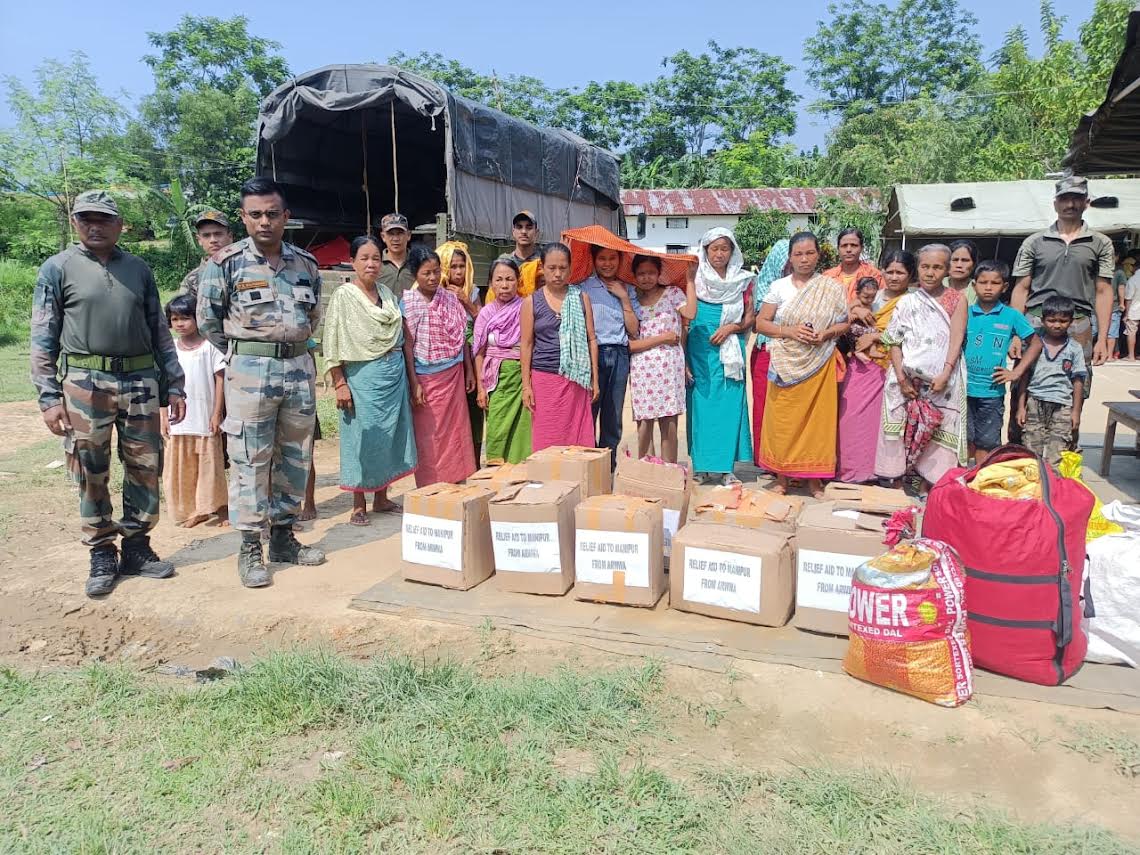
559, 357
438, 326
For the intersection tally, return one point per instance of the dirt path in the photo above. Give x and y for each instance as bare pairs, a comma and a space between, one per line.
22, 425
1008, 754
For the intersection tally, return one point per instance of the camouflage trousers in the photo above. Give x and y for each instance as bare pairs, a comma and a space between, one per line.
271, 407
1048, 429
97, 402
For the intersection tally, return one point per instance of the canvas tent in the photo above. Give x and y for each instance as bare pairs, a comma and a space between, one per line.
998, 215
350, 143
1107, 140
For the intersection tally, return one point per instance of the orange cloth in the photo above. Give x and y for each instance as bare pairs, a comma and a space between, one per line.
797, 438
865, 268
674, 266
194, 477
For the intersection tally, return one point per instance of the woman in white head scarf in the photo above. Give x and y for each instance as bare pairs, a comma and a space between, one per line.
717, 415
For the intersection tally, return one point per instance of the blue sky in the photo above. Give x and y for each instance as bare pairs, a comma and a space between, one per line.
566, 46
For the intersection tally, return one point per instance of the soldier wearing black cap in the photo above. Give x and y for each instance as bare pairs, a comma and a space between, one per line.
212, 229
394, 272
103, 362
1069, 259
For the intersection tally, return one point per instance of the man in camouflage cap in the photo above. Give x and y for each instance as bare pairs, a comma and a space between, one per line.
212, 230
97, 307
259, 302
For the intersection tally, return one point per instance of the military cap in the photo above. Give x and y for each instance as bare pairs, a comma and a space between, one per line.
95, 202
1073, 184
394, 221
211, 215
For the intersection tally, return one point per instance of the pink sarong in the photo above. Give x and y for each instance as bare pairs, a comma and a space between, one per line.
443, 429
562, 412
761, 359
860, 419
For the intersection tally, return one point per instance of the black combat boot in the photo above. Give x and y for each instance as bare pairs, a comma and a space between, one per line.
140, 560
284, 547
251, 565
104, 571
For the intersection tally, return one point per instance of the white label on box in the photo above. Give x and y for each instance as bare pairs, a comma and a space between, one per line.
672, 520
432, 541
600, 554
823, 579
725, 579
526, 547
848, 513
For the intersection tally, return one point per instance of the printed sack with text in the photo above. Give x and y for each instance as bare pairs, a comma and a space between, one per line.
908, 624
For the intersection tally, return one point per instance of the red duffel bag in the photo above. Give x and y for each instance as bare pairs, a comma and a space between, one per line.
1025, 562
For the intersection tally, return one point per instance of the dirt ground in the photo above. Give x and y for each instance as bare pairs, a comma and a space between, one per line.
1008, 754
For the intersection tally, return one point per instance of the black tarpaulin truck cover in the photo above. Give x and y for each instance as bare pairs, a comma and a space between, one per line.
326, 135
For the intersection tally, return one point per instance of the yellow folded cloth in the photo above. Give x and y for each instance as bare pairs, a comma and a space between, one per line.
1010, 479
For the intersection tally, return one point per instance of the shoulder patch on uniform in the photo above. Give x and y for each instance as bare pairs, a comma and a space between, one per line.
305, 254
227, 252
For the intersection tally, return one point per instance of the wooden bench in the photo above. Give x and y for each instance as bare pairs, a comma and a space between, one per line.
1124, 412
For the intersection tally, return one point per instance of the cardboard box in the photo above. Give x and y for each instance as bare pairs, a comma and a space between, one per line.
590, 467
830, 543
446, 535
670, 484
719, 573
867, 498
532, 532
619, 550
738, 505
498, 475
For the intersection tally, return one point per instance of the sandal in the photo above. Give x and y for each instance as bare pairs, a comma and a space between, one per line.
359, 518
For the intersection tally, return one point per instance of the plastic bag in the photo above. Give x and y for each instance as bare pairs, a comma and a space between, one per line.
1070, 467
908, 623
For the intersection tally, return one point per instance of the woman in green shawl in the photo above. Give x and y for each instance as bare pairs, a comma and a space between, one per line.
368, 352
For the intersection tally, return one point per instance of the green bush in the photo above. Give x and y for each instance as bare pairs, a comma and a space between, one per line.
168, 265
17, 282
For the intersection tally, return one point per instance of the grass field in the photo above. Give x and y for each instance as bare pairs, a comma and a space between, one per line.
309, 752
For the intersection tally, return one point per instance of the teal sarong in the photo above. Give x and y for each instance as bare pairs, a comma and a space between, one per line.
377, 441
716, 417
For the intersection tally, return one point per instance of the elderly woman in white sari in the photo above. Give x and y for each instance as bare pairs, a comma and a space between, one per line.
716, 408
924, 399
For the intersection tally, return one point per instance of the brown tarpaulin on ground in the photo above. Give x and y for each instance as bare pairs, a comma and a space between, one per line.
674, 266
698, 641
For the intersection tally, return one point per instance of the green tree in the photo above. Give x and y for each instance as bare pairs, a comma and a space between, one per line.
724, 95
64, 138
607, 114
870, 54
210, 75
757, 230
521, 96
1036, 102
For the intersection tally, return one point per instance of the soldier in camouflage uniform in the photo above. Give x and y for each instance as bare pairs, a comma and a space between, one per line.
212, 229
259, 302
96, 311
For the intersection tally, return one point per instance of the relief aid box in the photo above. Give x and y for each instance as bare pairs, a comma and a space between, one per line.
718, 572
619, 550
668, 482
446, 535
590, 467
532, 532
830, 543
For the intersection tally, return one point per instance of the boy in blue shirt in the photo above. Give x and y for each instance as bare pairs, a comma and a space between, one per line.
990, 325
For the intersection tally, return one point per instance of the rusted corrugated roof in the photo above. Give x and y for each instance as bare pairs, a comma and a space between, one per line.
790, 200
